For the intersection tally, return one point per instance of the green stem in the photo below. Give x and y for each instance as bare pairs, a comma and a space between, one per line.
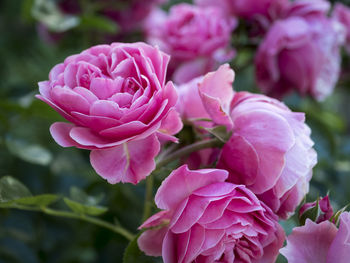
117, 229
212, 143
148, 198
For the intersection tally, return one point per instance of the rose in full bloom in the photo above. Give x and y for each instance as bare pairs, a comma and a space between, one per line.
324, 206
319, 243
270, 150
205, 219
196, 38
300, 52
341, 13
119, 106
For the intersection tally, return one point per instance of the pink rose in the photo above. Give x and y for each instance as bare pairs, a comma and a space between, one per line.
205, 219
270, 150
326, 209
196, 38
264, 12
341, 13
119, 107
319, 243
300, 53
131, 14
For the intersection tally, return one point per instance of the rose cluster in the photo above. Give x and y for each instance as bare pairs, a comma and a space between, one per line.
121, 105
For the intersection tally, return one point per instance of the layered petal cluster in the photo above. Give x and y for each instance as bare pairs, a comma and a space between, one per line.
118, 104
300, 52
205, 219
319, 243
270, 150
197, 38
341, 13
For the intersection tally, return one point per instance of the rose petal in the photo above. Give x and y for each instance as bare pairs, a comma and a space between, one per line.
130, 162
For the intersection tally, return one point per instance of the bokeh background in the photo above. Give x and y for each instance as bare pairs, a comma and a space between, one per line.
28, 153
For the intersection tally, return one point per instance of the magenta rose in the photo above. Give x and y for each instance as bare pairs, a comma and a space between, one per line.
301, 52
196, 38
319, 243
324, 206
205, 219
270, 150
341, 13
119, 107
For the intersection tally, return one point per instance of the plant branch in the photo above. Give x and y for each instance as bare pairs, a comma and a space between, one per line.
67, 214
148, 198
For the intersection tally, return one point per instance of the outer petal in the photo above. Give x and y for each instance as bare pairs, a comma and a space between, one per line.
340, 249
217, 93
310, 243
271, 137
171, 125
151, 241
182, 182
60, 133
130, 162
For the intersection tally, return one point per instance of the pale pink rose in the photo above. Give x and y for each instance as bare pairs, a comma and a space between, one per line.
119, 107
301, 52
270, 150
326, 209
319, 243
197, 39
205, 219
341, 13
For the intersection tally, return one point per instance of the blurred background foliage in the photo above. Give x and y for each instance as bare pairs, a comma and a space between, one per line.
28, 153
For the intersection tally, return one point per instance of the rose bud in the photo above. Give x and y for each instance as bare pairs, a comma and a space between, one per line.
322, 206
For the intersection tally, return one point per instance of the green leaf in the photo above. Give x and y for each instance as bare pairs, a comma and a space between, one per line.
12, 189
78, 195
133, 254
84, 209
335, 217
26, 151
219, 132
99, 23
38, 200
